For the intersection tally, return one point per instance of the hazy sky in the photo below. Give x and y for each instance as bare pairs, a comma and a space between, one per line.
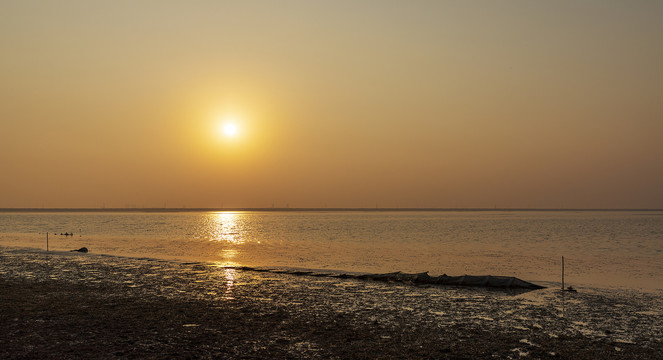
337, 103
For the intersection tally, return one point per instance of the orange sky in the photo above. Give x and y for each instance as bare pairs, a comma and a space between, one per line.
337, 103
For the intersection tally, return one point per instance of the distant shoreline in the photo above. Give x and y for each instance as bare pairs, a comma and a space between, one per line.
270, 209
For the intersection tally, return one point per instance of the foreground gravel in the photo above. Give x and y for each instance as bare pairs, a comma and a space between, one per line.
62, 305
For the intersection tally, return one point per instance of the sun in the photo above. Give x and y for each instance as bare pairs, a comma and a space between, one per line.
230, 129
228, 126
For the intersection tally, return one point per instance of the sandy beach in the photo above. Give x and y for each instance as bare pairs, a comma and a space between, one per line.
70, 305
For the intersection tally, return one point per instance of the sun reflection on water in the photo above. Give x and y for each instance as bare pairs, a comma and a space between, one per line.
230, 275
227, 231
226, 227
228, 255
226, 277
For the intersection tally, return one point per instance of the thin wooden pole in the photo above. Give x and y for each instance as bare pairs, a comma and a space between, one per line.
562, 272
46, 242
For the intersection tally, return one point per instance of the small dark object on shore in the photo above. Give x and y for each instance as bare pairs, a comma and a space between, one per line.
82, 250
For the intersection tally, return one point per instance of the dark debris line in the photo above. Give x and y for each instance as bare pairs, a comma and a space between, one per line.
491, 281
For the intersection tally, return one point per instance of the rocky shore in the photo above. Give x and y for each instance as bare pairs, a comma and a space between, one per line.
81, 306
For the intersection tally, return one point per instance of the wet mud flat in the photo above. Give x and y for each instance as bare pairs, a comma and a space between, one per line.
70, 305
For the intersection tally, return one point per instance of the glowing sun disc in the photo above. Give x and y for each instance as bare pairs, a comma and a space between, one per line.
230, 129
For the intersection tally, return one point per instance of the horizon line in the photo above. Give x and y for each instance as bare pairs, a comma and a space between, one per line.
319, 209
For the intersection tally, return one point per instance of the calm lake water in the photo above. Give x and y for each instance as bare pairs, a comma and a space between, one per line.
605, 249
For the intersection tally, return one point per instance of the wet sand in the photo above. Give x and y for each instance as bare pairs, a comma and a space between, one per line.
70, 305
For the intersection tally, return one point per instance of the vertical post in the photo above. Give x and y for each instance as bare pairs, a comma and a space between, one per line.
46, 242
562, 272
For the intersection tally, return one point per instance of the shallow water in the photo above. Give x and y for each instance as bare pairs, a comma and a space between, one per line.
601, 249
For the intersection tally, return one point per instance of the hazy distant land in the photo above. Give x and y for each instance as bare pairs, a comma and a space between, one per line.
294, 209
